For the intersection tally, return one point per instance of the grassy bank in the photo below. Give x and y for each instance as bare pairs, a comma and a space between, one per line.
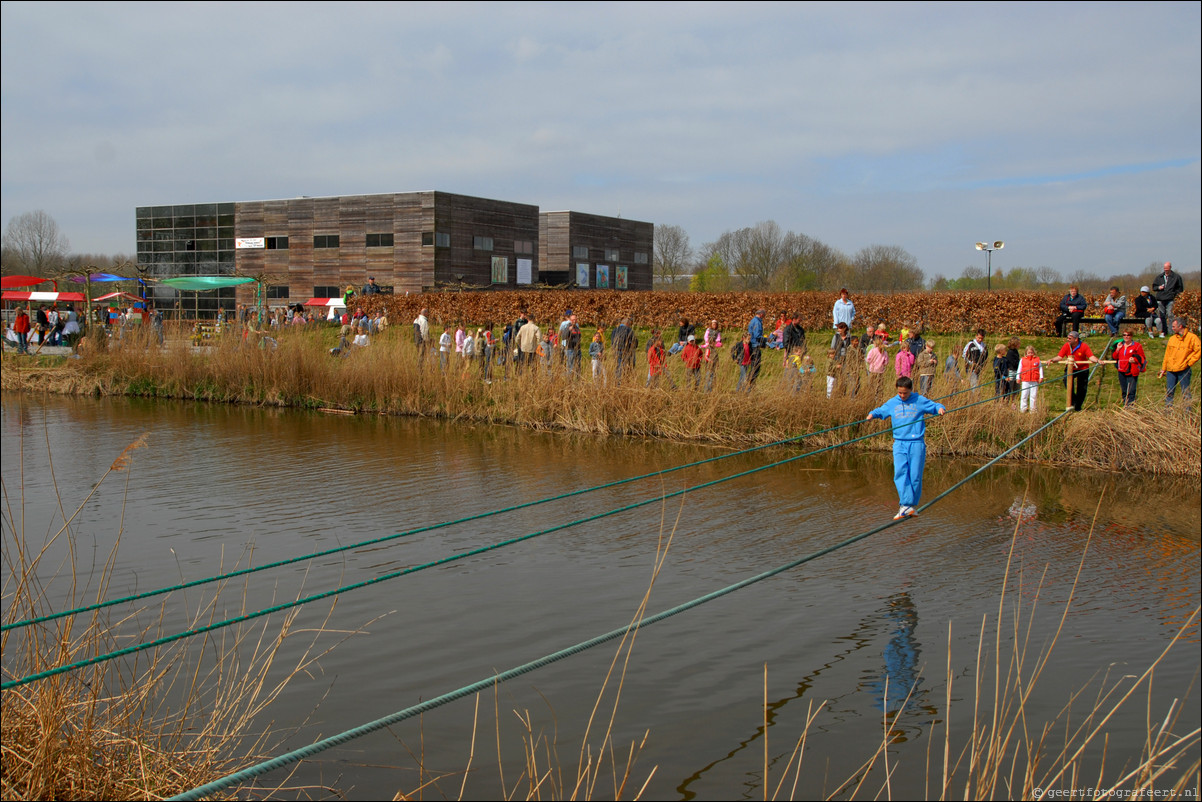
386, 378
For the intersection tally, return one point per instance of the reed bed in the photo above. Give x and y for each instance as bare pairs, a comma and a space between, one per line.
387, 378
1000, 749
143, 727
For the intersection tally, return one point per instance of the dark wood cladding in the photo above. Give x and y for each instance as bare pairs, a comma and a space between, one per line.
407, 265
561, 232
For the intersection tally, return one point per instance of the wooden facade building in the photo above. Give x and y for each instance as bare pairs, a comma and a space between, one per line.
408, 241
590, 250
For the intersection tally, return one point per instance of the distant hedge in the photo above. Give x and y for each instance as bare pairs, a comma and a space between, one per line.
1000, 312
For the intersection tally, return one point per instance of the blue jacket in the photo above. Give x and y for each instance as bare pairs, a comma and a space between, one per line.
755, 331
908, 417
1073, 303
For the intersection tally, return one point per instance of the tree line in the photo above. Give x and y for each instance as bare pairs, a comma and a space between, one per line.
765, 258
33, 245
758, 258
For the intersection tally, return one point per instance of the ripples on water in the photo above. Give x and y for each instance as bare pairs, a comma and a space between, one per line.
220, 486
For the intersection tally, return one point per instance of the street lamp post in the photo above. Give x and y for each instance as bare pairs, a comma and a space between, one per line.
988, 248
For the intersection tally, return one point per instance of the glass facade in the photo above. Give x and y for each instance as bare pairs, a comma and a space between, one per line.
188, 240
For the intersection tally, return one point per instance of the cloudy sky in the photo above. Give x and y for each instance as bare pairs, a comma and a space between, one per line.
1071, 131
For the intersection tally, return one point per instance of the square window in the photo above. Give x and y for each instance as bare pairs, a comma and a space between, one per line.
277, 243
579, 251
325, 241
379, 240
482, 243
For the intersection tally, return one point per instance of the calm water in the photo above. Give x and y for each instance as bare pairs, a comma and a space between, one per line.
221, 486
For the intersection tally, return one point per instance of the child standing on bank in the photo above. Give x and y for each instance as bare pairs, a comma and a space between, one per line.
1030, 374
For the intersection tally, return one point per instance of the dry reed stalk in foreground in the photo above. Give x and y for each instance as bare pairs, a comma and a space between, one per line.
1010, 754
543, 774
141, 728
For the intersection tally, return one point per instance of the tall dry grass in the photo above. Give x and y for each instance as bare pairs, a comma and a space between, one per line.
1008, 750
386, 378
140, 728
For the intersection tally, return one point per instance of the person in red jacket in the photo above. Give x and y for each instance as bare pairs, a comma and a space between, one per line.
692, 356
1030, 374
655, 360
1131, 362
21, 327
1079, 358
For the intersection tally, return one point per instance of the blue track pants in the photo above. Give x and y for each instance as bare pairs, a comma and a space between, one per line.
909, 458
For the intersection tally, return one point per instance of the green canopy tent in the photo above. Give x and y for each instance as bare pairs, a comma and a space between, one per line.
202, 283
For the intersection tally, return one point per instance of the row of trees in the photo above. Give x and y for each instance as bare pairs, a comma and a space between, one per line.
765, 258
33, 245
760, 257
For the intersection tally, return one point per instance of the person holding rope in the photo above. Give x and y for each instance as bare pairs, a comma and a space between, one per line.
1079, 358
907, 411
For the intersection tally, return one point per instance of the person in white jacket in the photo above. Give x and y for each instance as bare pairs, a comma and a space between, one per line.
1030, 374
843, 312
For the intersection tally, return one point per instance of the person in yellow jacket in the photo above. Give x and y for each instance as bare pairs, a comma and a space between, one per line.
1180, 353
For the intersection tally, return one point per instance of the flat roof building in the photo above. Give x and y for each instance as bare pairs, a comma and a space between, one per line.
591, 250
408, 241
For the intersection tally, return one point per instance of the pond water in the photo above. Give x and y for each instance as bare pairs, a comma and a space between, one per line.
870, 632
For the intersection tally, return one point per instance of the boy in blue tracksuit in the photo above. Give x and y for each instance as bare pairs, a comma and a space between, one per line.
907, 413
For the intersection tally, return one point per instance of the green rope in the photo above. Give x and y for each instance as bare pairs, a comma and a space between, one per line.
443, 561
259, 769
409, 533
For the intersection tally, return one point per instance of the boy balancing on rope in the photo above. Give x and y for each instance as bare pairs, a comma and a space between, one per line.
906, 412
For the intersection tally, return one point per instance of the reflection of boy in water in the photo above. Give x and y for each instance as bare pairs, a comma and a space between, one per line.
907, 411
898, 687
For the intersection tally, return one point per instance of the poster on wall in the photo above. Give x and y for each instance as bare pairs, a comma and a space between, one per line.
500, 270
621, 280
582, 274
525, 271
603, 277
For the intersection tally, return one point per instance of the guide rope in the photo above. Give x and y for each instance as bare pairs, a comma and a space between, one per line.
162, 641
423, 529
294, 756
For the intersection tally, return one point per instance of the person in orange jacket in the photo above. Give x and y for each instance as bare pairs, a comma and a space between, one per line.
1180, 353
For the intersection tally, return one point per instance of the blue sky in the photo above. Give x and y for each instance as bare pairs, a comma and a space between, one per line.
1071, 131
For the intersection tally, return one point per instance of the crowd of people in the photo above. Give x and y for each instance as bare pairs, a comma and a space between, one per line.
854, 363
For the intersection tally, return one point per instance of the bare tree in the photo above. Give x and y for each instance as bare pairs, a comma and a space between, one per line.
887, 267
672, 254
33, 244
813, 265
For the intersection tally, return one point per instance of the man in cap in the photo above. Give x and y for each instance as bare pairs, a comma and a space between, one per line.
1180, 354
371, 288
1145, 309
1079, 358
755, 342
1165, 289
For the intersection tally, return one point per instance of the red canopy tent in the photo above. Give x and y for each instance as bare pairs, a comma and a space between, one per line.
54, 297
12, 282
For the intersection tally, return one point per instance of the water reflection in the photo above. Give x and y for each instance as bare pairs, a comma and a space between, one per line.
218, 482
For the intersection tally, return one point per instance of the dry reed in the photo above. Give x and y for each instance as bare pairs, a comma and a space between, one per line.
387, 378
157, 724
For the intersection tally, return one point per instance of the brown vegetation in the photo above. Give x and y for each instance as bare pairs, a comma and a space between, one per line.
159, 724
1010, 312
385, 378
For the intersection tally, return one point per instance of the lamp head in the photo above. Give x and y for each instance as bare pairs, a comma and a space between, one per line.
980, 246
997, 246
